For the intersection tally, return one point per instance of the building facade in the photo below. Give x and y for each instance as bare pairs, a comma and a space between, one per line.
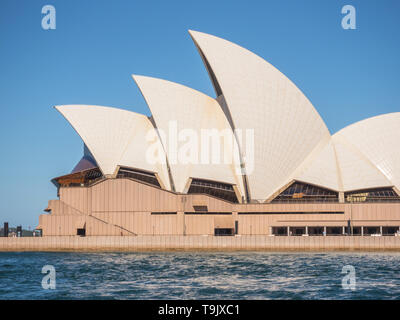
256, 160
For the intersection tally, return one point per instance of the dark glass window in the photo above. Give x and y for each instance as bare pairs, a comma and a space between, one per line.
141, 175
200, 208
217, 189
303, 192
334, 231
297, 231
79, 179
223, 232
280, 231
316, 231
372, 195
164, 213
390, 231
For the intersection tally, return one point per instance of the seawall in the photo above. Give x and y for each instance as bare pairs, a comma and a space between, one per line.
198, 243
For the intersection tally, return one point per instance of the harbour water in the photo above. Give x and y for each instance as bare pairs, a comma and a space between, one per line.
199, 275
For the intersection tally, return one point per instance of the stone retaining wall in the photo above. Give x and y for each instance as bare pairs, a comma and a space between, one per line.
207, 243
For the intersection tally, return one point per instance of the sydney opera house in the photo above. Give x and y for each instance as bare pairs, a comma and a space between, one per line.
283, 173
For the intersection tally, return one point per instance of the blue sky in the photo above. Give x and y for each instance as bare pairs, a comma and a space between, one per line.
348, 75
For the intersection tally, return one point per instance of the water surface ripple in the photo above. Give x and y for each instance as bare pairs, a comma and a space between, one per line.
199, 275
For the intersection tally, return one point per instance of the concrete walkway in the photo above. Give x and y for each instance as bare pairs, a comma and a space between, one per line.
206, 243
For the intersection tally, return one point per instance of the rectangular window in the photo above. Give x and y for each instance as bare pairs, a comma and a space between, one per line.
200, 208
164, 213
204, 213
223, 232
279, 231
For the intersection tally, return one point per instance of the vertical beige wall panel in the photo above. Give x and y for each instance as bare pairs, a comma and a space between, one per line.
141, 196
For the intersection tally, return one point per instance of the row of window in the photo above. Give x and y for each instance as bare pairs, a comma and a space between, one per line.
335, 231
296, 192
302, 192
372, 195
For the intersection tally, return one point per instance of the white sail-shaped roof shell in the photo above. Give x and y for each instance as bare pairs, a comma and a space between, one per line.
178, 110
341, 167
291, 142
116, 137
322, 168
357, 172
258, 96
377, 139
361, 156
